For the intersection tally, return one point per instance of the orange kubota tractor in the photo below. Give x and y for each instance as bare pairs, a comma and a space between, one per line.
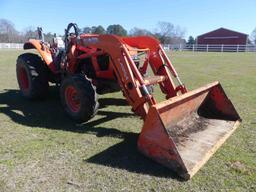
181, 132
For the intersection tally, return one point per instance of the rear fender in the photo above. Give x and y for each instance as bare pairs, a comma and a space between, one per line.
43, 51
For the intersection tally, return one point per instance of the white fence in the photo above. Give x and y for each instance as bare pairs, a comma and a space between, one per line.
11, 45
177, 47
211, 48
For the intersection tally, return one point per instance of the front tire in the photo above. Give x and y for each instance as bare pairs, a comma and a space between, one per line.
32, 76
79, 98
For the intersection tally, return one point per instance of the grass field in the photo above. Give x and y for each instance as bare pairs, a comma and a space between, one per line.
43, 150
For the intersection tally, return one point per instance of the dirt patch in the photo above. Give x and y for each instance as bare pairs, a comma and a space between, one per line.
239, 167
190, 124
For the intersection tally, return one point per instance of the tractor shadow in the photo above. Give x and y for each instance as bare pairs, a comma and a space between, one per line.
50, 115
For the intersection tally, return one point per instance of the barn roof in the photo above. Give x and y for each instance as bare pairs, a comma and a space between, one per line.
222, 29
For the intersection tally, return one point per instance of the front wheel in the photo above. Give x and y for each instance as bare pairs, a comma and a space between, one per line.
79, 98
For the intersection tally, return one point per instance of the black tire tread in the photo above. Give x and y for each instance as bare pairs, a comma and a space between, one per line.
87, 91
38, 76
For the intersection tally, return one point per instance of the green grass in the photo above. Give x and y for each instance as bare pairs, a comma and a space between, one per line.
41, 149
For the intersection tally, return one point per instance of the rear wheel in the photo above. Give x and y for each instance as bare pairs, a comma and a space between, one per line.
32, 76
79, 98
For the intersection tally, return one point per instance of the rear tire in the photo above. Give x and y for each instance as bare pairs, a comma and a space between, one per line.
32, 76
79, 98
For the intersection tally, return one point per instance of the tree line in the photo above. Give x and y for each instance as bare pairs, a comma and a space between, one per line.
166, 32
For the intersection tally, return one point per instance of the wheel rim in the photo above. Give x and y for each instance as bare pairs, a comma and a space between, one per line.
72, 99
23, 79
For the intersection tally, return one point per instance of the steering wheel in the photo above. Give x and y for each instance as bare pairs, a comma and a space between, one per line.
63, 59
67, 33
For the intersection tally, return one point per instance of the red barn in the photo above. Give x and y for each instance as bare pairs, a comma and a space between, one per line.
222, 36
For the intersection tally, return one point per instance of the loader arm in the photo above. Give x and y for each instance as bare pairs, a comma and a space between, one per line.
185, 130
129, 77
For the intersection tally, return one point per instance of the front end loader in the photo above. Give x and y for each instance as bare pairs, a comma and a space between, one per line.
182, 132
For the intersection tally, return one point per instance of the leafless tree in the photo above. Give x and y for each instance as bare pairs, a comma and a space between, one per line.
166, 32
253, 36
30, 33
138, 32
8, 33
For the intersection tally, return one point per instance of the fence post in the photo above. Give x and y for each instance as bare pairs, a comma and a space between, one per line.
180, 47
193, 47
207, 48
222, 47
237, 48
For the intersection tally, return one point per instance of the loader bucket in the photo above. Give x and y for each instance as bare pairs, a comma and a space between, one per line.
183, 132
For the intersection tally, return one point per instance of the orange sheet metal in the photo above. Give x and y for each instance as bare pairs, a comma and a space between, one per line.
164, 128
